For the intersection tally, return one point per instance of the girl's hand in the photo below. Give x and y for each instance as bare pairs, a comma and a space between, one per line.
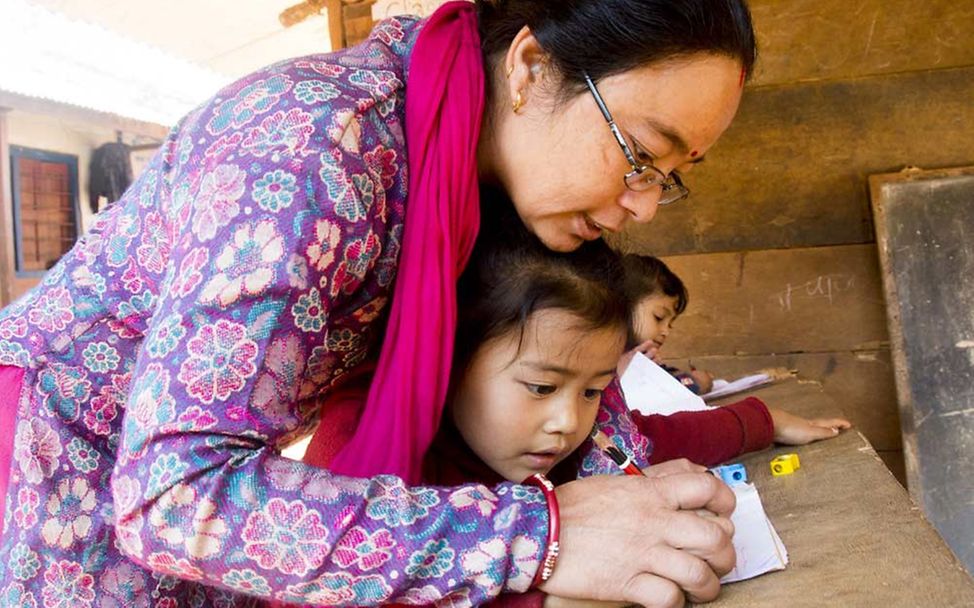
705, 380
790, 429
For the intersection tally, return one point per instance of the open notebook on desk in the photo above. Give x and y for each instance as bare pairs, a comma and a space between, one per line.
649, 389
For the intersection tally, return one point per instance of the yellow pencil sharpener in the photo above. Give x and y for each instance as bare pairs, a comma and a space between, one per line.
786, 464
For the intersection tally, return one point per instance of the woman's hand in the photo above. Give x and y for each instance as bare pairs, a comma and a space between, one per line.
638, 540
795, 430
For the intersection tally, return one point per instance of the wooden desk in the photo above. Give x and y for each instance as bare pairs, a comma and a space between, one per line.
853, 535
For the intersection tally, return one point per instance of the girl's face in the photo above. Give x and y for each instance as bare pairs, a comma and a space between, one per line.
529, 400
564, 170
653, 319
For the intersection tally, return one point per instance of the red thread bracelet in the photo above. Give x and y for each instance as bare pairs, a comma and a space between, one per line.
550, 556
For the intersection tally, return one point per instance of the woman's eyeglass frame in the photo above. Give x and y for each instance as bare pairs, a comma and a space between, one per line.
643, 177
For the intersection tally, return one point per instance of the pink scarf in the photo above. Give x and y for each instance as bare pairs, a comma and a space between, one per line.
444, 103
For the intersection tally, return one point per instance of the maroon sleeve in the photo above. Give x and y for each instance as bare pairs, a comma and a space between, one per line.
709, 437
529, 599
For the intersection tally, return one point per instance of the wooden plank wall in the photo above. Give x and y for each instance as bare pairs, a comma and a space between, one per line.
776, 243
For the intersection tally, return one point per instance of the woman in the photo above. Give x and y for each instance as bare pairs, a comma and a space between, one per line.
151, 378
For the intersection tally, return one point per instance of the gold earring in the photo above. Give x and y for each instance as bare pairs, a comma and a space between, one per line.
510, 70
518, 103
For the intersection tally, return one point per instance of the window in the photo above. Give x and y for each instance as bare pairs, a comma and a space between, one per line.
45, 205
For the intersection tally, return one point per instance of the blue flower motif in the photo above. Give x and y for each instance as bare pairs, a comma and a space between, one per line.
166, 336
527, 494
24, 562
391, 501
64, 389
100, 357
82, 455
308, 312
165, 470
275, 190
432, 561
253, 99
16, 595
314, 91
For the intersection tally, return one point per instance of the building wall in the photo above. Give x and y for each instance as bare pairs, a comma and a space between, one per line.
776, 244
54, 128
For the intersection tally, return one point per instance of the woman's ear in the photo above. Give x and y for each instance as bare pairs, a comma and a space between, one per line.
525, 65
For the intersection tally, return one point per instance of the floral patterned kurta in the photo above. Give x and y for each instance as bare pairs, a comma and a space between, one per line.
188, 336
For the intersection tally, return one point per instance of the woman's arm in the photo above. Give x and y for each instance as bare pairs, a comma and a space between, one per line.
278, 268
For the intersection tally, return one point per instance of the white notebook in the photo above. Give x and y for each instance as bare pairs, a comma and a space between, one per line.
650, 389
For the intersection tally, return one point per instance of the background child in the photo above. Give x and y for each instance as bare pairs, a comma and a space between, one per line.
658, 297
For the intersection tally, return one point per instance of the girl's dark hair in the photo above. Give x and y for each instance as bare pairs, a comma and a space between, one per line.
646, 276
512, 275
607, 37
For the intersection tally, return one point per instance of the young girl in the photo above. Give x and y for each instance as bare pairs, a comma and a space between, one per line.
658, 297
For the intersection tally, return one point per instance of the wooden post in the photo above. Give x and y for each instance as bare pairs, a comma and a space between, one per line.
6, 216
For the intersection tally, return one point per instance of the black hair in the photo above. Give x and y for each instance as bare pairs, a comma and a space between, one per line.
607, 37
646, 276
511, 275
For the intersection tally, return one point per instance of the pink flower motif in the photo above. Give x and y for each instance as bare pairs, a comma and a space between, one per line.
276, 388
281, 132
13, 327
193, 419
476, 497
153, 253
104, 408
368, 551
246, 265
132, 279
388, 31
381, 162
167, 563
126, 584
287, 537
129, 522
36, 448
321, 251
322, 67
53, 310
189, 275
26, 513
66, 585
222, 147
216, 204
221, 359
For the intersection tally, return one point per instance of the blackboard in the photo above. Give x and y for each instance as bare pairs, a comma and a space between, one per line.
925, 233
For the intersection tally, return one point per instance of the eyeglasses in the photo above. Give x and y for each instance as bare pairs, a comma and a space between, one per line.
642, 177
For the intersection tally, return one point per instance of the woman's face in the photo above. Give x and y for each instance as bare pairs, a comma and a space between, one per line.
562, 166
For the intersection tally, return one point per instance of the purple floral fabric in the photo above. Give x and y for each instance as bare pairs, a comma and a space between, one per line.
190, 334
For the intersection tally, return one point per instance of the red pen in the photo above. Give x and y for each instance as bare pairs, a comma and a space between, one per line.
615, 454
